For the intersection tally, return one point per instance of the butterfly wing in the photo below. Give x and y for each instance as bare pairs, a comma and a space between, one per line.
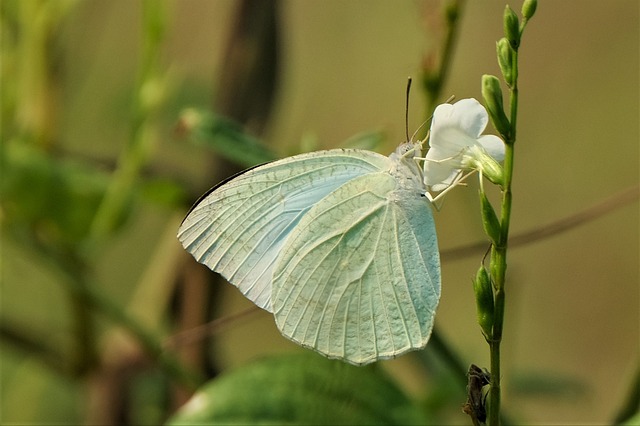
240, 226
359, 279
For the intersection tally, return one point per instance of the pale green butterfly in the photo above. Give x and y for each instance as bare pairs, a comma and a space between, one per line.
339, 245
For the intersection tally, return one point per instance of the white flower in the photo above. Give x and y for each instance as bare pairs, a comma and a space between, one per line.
456, 145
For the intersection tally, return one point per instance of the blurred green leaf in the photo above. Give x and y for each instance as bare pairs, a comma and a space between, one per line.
300, 389
164, 192
225, 136
54, 197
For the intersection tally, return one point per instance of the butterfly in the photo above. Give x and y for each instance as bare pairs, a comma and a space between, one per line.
340, 245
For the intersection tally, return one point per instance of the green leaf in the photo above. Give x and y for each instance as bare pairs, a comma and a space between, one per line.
164, 192
300, 389
225, 136
57, 197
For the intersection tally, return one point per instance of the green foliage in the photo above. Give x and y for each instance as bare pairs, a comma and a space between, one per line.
56, 199
300, 389
163, 192
224, 136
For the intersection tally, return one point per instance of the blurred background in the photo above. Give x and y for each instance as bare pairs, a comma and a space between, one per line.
100, 164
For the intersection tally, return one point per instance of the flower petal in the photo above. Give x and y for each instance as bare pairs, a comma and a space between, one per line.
467, 115
445, 183
493, 145
437, 173
448, 142
456, 144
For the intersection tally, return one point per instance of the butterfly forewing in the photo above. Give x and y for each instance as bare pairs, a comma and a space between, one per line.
240, 227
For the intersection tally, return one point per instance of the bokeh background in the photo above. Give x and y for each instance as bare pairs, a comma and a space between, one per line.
572, 328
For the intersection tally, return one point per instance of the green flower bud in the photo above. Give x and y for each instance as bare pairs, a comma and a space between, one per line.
484, 301
511, 27
493, 171
505, 59
529, 8
490, 221
478, 159
492, 94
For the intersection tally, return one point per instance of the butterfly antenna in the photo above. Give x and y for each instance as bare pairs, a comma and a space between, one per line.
406, 111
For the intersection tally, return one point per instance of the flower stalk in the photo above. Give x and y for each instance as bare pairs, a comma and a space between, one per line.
498, 259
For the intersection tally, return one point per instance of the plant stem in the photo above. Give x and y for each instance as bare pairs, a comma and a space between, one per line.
499, 255
146, 103
433, 81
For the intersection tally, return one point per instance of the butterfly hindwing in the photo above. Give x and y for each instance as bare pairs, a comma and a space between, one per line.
359, 279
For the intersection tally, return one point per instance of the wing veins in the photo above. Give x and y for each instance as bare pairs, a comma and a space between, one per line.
404, 276
386, 312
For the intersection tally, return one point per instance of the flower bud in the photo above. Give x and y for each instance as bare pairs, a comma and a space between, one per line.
511, 27
505, 59
529, 8
484, 301
492, 94
493, 171
490, 221
478, 159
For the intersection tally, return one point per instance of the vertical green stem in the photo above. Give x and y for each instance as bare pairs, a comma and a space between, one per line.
499, 255
145, 104
433, 80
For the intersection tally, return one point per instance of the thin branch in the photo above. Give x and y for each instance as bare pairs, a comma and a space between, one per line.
195, 334
609, 205
32, 344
